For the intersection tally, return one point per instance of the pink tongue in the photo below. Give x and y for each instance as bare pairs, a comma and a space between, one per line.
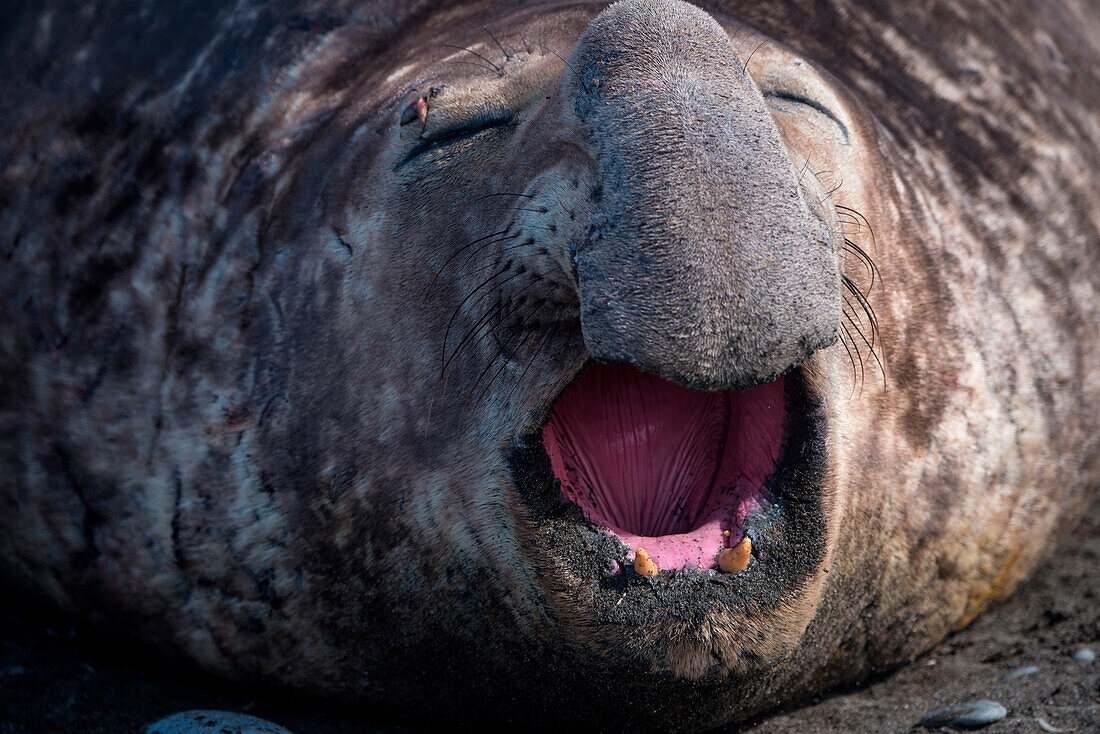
637, 452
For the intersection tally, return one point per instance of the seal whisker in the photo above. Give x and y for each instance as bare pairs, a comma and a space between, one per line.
498, 69
745, 66
507, 56
847, 220
866, 307
833, 190
448, 365
504, 363
845, 216
473, 337
470, 255
851, 357
440, 387
531, 362
805, 167
863, 257
569, 66
529, 242
486, 196
500, 351
874, 328
458, 309
861, 299
856, 323
466, 63
526, 46
458, 252
859, 217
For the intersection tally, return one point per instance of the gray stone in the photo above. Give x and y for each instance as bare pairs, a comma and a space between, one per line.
1084, 655
213, 722
970, 715
1020, 672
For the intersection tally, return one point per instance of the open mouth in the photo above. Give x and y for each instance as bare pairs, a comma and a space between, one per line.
625, 461
668, 470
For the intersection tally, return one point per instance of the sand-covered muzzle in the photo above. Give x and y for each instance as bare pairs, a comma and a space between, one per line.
672, 470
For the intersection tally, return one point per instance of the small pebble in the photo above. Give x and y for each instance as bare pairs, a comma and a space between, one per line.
1020, 672
205, 722
643, 564
971, 715
1084, 655
1047, 726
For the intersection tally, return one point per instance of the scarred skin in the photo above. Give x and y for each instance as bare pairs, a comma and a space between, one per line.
255, 411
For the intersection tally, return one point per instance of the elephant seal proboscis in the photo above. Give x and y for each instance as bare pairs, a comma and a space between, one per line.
365, 347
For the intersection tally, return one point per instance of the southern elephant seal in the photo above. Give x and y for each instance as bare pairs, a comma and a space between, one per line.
363, 347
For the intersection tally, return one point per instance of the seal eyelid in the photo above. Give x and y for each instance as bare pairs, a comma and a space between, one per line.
812, 104
417, 110
459, 131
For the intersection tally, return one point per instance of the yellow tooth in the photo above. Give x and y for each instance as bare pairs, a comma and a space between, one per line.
735, 559
643, 564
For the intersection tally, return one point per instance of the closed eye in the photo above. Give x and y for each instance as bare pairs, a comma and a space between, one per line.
459, 131
812, 104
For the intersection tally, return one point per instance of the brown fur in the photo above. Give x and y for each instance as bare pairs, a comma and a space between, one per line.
265, 376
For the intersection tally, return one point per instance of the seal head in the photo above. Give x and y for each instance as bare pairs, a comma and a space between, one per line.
626, 362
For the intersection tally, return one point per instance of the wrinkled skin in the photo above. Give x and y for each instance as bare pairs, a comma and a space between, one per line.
272, 361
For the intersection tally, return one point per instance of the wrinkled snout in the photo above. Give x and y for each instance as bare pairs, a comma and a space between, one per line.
704, 263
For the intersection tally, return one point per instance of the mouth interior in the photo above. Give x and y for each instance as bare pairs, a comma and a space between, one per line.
661, 466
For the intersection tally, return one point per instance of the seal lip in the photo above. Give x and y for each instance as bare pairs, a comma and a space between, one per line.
581, 564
